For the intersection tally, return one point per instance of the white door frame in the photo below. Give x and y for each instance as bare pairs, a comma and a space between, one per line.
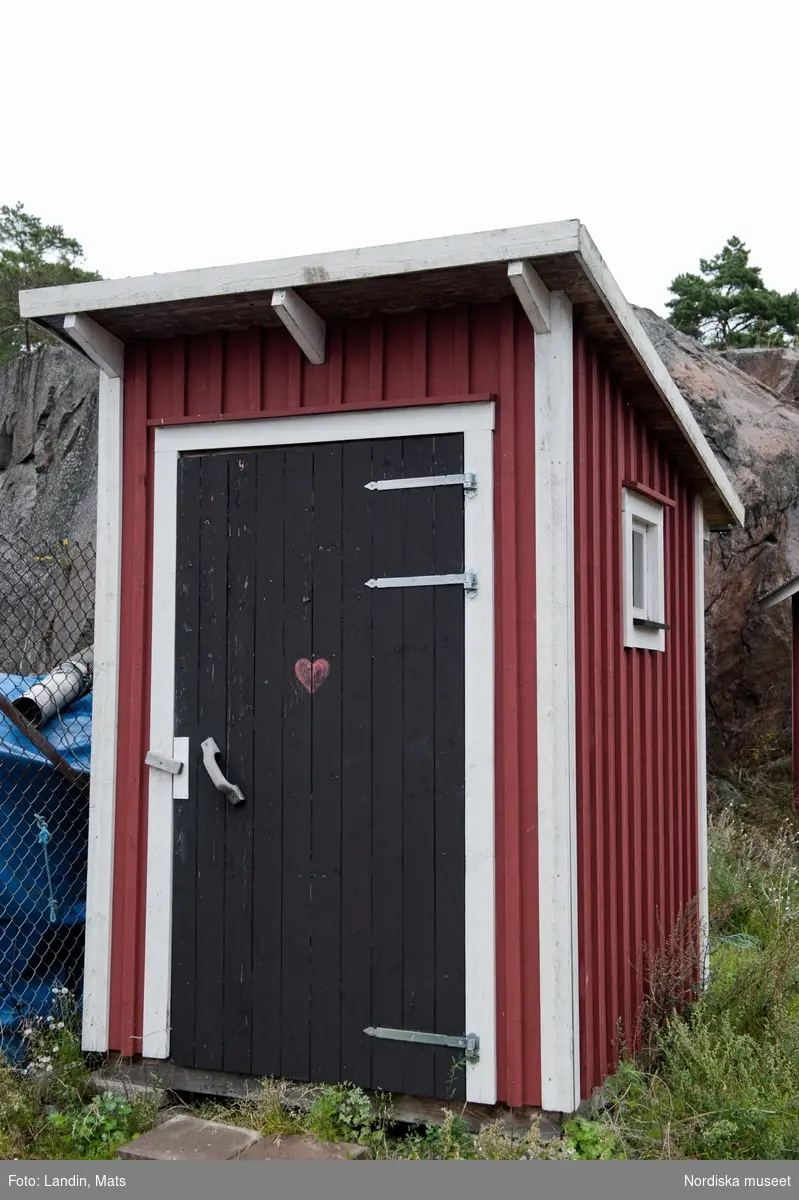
475, 421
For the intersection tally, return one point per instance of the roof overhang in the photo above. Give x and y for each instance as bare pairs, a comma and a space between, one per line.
431, 273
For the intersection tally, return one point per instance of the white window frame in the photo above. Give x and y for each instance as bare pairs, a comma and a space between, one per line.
475, 420
639, 513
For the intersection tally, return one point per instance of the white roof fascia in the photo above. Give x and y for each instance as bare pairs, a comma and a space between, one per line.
633, 333
463, 250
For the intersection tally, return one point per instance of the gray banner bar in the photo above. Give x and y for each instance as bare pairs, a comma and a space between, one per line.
399, 1180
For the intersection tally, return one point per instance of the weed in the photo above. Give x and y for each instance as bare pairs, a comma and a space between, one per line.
342, 1114
449, 1140
591, 1139
495, 1141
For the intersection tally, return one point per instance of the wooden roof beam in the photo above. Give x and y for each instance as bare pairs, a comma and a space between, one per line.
306, 327
105, 350
533, 293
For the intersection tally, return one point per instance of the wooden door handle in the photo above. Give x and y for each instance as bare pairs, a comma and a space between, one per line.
210, 751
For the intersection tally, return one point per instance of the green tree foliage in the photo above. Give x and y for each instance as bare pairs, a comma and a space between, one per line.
31, 255
728, 304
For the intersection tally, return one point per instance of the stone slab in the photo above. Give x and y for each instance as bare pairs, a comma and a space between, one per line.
188, 1139
302, 1148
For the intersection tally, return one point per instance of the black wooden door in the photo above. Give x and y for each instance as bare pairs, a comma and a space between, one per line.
332, 898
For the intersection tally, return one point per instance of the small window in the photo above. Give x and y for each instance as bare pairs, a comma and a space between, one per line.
644, 576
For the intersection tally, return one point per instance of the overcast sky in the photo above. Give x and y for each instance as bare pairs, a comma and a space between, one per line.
171, 134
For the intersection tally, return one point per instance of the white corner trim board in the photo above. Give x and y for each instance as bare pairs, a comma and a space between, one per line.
532, 292
102, 788
476, 422
105, 350
701, 728
557, 755
305, 326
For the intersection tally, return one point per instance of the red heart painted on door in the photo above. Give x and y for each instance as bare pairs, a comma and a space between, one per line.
311, 675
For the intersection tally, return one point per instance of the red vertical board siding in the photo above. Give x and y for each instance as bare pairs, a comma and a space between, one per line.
418, 355
635, 721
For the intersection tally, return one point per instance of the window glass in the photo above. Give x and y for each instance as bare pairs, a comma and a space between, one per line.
639, 568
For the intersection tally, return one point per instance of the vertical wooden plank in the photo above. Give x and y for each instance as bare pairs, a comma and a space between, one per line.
216, 371
178, 377
274, 690
294, 374
419, 353
508, 684
582, 649
461, 375
610, 498
621, 700
376, 359
235, 372
357, 945
212, 721
187, 652
335, 363
669, 715
449, 759
356, 366
387, 773
253, 386
660, 483
599, 705
297, 762
418, 726
126, 961
326, 778
242, 484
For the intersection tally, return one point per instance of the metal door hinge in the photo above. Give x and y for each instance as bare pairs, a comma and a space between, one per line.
469, 1043
468, 581
468, 481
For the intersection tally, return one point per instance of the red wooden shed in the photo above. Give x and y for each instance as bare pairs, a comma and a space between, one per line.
399, 751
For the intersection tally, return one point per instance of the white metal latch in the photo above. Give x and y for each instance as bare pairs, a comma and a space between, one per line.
161, 763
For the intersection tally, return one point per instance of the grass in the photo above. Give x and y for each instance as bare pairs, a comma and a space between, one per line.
50, 1108
719, 1074
716, 1074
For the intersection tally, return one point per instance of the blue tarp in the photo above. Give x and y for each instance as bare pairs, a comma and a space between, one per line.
43, 840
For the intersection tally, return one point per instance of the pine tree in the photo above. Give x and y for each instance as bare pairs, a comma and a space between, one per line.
729, 305
31, 255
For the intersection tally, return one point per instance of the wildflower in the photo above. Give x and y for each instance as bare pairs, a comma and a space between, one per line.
60, 1025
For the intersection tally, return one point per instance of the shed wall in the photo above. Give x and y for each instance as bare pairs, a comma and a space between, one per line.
636, 721
424, 357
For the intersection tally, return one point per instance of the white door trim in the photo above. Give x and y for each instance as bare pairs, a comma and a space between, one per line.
105, 702
476, 422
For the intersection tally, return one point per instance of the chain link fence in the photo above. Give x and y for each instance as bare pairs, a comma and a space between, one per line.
46, 640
